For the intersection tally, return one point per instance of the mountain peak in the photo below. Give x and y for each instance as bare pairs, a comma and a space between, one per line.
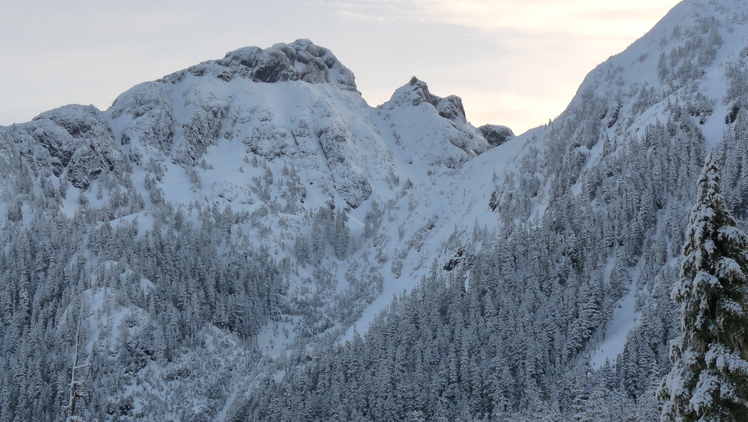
301, 60
417, 91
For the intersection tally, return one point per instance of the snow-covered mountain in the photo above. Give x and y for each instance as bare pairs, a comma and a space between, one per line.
269, 154
225, 243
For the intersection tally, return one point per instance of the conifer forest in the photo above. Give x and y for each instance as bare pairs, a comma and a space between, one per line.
248, 240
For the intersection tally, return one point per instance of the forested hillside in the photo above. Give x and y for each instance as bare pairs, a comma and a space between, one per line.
247, 239
563, 311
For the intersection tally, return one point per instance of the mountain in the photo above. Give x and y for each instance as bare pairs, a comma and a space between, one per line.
248, 239
215, 206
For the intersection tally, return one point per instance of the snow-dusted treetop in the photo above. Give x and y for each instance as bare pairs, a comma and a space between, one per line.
709, 378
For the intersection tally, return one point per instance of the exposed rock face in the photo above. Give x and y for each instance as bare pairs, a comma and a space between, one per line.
350, 182
450, 107
93, 147
421, 93
210, 111
299, 61
203, 127
496, 134
73, 142
151, 111
52, 146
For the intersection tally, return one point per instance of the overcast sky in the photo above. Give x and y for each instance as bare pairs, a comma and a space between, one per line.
513, 62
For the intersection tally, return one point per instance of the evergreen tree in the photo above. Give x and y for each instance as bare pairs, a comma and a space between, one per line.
709, 378
341, 234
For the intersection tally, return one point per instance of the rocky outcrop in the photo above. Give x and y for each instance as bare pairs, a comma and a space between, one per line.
496, 134
348, 178
449, 107
73, 142
301, 60
203, 127
147, 113
242, 97
50, 146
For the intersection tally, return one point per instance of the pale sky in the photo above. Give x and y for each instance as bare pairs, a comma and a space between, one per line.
513, 62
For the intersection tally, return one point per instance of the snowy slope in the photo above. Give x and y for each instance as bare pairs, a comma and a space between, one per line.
684, 69
278, 146
353, 204
599, 200
627, 93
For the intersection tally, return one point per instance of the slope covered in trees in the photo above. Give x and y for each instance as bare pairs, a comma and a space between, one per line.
509, 334
229, 240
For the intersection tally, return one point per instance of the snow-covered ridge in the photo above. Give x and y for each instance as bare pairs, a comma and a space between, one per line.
319, 208
301, 60
311, 114
278, 136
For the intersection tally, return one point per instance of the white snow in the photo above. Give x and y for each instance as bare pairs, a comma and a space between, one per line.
420, 168
625, 318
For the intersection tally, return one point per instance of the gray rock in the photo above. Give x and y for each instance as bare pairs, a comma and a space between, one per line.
451, 108
88, 149
447, 125
57, 144
496, 134
301, 60
350, 183
151, 112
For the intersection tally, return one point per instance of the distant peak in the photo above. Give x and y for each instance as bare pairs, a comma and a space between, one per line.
301, 60
417, 91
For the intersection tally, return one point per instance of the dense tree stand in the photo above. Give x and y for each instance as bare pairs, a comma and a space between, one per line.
709, 378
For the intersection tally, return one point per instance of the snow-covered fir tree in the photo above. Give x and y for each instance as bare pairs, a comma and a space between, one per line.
709, 378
